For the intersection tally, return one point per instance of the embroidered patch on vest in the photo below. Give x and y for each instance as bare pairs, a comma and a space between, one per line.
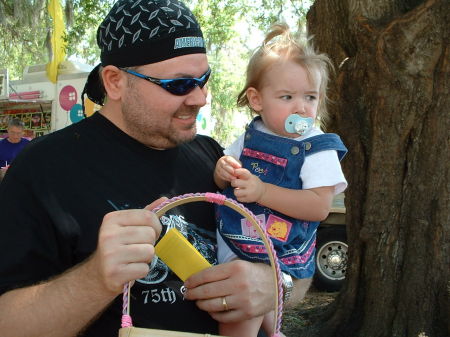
258, 170
278, 228
249, 230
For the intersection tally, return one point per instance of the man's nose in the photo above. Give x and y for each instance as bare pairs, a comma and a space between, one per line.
197, 97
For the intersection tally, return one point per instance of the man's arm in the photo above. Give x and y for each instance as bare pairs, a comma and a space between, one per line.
60, 307
248, 287
65, 305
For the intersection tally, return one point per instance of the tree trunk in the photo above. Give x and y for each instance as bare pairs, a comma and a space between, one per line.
391, 107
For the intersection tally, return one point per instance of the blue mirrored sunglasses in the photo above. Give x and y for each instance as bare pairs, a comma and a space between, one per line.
177, 86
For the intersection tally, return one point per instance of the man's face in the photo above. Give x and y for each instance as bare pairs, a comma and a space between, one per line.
156, 117
15, 134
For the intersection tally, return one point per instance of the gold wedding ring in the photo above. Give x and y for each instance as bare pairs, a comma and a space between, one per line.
224, 304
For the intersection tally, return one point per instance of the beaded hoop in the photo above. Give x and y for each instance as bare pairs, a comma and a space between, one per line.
238, 207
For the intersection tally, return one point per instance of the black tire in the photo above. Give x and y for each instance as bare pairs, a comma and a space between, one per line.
331, 258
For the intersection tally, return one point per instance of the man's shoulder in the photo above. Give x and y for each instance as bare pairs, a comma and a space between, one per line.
205, 141
57, 141
204, 147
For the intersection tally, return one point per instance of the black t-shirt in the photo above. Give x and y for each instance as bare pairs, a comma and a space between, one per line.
54, 197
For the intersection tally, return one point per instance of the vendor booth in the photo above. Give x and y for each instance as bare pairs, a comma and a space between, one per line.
44, 106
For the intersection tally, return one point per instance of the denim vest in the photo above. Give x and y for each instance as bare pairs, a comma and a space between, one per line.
278, 161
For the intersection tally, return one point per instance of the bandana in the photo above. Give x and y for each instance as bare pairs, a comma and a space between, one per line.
138, 32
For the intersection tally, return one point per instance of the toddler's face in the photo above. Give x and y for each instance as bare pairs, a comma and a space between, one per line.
286, 90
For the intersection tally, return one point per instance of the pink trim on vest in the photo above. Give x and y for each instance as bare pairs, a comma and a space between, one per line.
299, 258
264, 156
260, 249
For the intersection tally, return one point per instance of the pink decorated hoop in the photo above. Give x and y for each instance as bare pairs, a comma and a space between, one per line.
238, 207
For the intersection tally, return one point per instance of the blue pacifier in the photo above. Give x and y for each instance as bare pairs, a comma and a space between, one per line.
297, 124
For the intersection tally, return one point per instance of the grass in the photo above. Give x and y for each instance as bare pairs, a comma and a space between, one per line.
303, 316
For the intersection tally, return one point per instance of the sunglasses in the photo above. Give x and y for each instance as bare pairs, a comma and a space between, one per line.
177, 86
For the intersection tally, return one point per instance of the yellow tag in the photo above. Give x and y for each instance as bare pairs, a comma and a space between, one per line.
180, 255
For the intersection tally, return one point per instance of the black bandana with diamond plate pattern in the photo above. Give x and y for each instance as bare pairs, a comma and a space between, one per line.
139, 32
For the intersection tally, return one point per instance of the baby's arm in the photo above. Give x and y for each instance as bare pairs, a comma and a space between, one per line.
224, 172
312, 204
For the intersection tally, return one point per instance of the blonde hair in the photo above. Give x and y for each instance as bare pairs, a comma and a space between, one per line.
280, 45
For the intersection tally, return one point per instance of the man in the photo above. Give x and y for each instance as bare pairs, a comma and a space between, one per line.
12, 145
75, 228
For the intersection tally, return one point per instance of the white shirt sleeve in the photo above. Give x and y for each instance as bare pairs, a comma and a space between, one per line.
235, 149
323, 169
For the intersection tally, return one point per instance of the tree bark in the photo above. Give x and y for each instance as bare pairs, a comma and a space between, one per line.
391, 107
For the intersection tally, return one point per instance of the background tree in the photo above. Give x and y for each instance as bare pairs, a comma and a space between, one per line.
24, 33
232, 29
230, 44
82, 20
25, 29
225, 51
391, 106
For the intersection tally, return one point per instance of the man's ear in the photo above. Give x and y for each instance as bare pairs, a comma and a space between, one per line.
114, 81
254, 99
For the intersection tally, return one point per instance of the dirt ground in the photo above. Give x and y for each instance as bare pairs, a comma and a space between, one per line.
298, 319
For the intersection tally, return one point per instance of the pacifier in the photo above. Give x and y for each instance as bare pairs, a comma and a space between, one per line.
298, 124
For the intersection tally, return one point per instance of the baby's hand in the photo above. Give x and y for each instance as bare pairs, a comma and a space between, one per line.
225, 168
247, 187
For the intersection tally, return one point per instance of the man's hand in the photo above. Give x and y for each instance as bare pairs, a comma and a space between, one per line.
125, 246
71, 300
248, 187
248, 289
